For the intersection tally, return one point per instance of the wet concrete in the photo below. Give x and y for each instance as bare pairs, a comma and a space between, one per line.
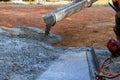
26, 54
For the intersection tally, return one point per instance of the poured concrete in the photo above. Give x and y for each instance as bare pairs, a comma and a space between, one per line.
26, 54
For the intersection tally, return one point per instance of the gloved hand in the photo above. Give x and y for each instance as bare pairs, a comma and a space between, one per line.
114, 47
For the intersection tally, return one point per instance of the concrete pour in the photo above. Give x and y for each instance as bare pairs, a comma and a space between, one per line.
26, 54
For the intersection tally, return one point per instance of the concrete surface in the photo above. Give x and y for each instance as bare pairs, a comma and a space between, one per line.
71, 66
26, 54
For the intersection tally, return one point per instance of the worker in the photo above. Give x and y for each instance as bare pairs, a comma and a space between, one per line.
116, 4
114, 45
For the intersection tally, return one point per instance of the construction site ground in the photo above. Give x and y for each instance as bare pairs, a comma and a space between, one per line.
91, 27
28, 55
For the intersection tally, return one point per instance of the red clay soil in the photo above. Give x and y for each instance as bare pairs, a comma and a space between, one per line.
91, 27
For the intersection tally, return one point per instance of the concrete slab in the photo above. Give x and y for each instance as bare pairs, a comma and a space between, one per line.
28, 55
73, 66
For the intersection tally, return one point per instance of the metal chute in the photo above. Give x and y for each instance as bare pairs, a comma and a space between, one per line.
65, 11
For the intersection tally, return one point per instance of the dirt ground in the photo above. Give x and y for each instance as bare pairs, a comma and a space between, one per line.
91, 27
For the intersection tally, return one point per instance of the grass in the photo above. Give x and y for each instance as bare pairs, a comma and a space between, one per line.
102, 2
99, 2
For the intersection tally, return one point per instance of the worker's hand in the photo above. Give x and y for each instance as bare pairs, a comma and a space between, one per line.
114, 47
